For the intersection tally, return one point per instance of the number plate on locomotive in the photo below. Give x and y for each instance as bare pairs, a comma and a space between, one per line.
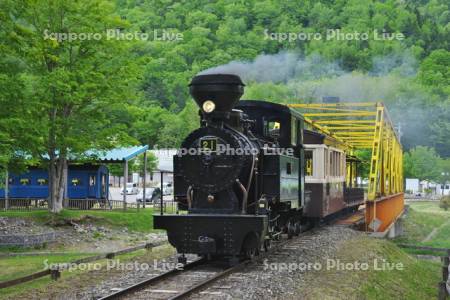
208, 144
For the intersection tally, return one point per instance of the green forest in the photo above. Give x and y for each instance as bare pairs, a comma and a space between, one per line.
77, 75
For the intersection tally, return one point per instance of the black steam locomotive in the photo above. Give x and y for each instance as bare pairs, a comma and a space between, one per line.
240, 176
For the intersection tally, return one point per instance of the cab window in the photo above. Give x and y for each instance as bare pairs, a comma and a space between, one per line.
272, 128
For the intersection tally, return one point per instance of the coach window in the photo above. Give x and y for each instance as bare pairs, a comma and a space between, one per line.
25, 181
76, 182
338, 164
92, 180
308, 163
42, 181
331, 163
103, 184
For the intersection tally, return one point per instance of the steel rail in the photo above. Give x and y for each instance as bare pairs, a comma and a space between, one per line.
147, 282
201, 285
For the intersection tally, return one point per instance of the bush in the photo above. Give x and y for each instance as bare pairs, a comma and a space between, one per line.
445, 202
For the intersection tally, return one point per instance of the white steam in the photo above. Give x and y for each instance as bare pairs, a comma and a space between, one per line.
280, 67
286, 66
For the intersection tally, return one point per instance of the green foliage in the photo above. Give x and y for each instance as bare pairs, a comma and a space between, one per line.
19, 266
80, 85
435, 71
423, 163
364, 165
445, 203
177, 127
422, 219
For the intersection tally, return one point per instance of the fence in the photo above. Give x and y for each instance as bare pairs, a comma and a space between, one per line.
444, 285
56, 272
169, 205
423, 198
23, 204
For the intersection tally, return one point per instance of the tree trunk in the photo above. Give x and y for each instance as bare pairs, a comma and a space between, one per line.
57, 184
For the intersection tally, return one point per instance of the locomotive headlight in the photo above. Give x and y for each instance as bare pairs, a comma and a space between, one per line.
208, 106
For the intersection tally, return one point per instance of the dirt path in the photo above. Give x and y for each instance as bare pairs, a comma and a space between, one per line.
433, 233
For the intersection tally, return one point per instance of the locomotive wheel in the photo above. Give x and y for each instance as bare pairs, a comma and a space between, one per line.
251, 253
250, 246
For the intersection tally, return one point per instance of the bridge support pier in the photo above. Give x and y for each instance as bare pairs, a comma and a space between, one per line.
384, 213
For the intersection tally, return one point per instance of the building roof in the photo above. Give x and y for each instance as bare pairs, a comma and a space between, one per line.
118, 154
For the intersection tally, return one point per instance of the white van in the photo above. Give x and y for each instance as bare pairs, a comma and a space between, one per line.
131, 189
167, 189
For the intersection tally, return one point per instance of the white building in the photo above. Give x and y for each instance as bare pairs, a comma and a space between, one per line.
412, 185
165, 165
443, 189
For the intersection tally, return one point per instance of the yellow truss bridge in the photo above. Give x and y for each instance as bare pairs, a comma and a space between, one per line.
366, 126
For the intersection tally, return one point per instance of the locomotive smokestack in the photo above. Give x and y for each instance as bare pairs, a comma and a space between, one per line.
216, 92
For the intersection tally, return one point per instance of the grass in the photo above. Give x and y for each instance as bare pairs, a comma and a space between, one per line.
417, 280
141, 221
422, 219
18, 266
45, 288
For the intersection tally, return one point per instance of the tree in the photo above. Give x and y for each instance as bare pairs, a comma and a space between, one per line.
177, 127
444, 176
16, 130
80, 83
435, 71
422, 163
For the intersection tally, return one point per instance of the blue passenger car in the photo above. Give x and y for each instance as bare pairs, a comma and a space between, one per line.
83, 182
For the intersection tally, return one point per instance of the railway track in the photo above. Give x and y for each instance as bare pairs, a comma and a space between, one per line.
200, 274
192, 278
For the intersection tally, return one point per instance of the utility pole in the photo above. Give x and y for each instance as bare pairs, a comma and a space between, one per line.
145, 180
125, 180
399, 131
6, 189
